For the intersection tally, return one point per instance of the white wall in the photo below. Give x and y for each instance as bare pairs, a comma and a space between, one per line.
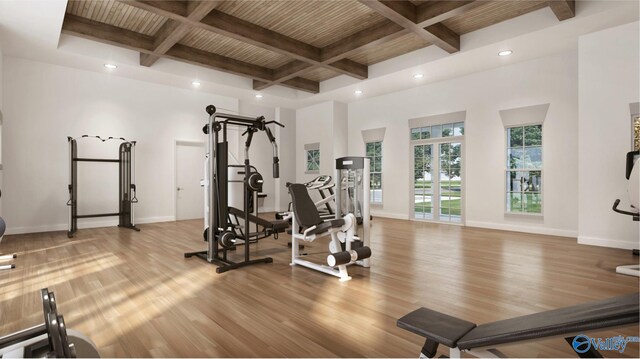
550, 80
608, 83
340, 131
314, 124
286, 137
45, 103
326, 123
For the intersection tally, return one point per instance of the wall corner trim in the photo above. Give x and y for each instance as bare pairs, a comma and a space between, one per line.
528, 115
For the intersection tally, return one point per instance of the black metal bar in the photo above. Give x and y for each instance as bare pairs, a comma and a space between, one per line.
96, 215
96, 160
22, 335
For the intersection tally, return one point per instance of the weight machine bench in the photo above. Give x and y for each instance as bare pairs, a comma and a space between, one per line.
264, 228
480, 340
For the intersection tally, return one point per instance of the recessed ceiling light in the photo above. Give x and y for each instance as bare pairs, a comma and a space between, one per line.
505, 53
195, 83
358, 92
418, 76
110, 66
258, 95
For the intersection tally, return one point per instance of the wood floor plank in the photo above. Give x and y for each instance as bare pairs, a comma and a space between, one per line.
136, 295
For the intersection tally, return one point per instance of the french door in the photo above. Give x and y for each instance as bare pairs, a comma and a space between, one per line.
437, 181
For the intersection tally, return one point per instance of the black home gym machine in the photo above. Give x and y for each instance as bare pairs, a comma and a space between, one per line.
127, 189
632, 173
226, 234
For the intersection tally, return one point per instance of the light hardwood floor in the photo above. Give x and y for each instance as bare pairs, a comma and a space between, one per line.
135, 295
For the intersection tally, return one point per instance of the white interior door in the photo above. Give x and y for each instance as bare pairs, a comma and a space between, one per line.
190, 157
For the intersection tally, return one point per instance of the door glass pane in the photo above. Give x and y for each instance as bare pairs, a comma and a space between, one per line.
445, 203
415, 134
422, 182
458, 129
436, 131
426, 133
447, 130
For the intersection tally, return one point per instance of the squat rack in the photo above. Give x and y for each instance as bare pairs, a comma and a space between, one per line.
127, 187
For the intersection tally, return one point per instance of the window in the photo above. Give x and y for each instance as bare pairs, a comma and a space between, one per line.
636, 133
374, 151
524, 169
313, 161
436, 131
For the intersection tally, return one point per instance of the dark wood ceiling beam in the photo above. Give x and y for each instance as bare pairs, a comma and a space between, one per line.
113, 35
432, 12
230, 26
344, 66
245, 31
173, 31
404, 13
564, 9
175, 10
369, 37
338, 51
298, 83
218, 62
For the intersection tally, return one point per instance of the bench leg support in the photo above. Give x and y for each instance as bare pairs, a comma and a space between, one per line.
429, 349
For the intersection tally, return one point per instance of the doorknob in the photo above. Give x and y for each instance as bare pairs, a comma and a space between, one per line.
179, 188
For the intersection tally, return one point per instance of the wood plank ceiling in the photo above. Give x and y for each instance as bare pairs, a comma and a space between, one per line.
296, 43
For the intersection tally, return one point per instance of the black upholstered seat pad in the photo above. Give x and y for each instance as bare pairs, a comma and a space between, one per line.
601, 314
326, 225
436, 326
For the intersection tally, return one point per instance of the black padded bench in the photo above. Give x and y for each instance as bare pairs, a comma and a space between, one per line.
461, 335
277, 226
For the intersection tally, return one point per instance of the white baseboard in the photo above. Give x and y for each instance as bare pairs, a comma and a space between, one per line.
82, 225
525, 229
389, 215
611, 243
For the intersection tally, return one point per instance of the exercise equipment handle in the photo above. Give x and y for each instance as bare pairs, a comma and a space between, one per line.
628, 213
276, 160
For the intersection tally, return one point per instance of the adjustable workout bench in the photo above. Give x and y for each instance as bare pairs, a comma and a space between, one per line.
481, 340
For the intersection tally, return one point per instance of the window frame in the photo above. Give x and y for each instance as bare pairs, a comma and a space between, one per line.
371, 173
306, 161
507, 170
